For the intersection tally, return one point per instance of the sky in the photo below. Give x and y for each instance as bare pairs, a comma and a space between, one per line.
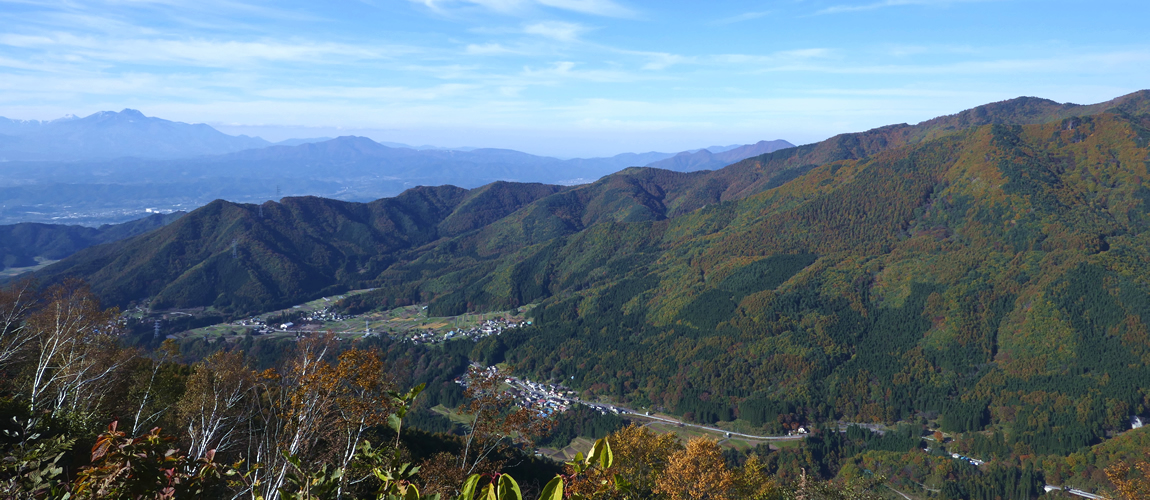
566, 78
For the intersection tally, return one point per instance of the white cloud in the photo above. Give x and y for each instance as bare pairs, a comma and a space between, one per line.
746, 16
837, 9
557, 30
198, 51
784, 56
376, 94
663, 61
566, 70
605, 8
486, 49
1070, 63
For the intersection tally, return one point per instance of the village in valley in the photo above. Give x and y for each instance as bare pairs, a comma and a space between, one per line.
406, 324
412, 324
547, 399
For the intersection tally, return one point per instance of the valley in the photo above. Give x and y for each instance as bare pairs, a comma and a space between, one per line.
957, 306
406, 324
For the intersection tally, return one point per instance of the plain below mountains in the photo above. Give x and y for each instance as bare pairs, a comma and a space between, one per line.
988, 269
986, 272
29, 244
120, 163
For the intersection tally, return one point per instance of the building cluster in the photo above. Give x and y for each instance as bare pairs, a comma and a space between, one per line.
550, 399
547, 399
485, 329
973, 461
325, 315
257, 326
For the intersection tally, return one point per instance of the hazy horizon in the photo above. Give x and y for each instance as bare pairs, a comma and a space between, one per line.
564, 78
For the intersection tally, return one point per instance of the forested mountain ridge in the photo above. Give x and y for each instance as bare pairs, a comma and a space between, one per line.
704, 159
21, 244
245, 258
993, 273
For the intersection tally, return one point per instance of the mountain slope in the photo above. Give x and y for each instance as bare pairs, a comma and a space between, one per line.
21, 244
704, 159
987, 275
993, 274
109, 134
244, 258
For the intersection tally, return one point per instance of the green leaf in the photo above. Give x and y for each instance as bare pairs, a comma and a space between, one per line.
606, 458
412, 493
508, 488
489, 492
395, 421
414, 392
468, 490
621, 485
553, 490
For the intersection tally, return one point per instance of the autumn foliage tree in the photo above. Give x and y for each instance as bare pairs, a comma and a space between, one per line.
697, 472
497, 421
641, 457
1131, 481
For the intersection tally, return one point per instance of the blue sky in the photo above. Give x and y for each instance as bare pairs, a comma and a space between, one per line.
562, 77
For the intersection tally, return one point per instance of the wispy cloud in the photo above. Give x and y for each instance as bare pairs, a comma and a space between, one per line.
567, 70
663, 61
487, 49
556, 30
605, 8
199, 52
838, 9
746, 16
780, 57
1071, 63
375, 94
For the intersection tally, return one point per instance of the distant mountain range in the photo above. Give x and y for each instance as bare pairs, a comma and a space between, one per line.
983, 268
109, 134
714, 158
983, 273
119, 163
986, 270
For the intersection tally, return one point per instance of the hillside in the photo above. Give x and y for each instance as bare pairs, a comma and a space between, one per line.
992, 274
704, 159
245, 258
988, 267
22, 244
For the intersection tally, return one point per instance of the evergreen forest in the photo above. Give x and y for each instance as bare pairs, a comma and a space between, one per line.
953, 309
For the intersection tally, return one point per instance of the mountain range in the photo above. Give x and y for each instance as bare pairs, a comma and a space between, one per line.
987, 268
27, 244
151, 162
109, 134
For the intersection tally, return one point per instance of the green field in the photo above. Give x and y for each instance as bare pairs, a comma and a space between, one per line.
406, 322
